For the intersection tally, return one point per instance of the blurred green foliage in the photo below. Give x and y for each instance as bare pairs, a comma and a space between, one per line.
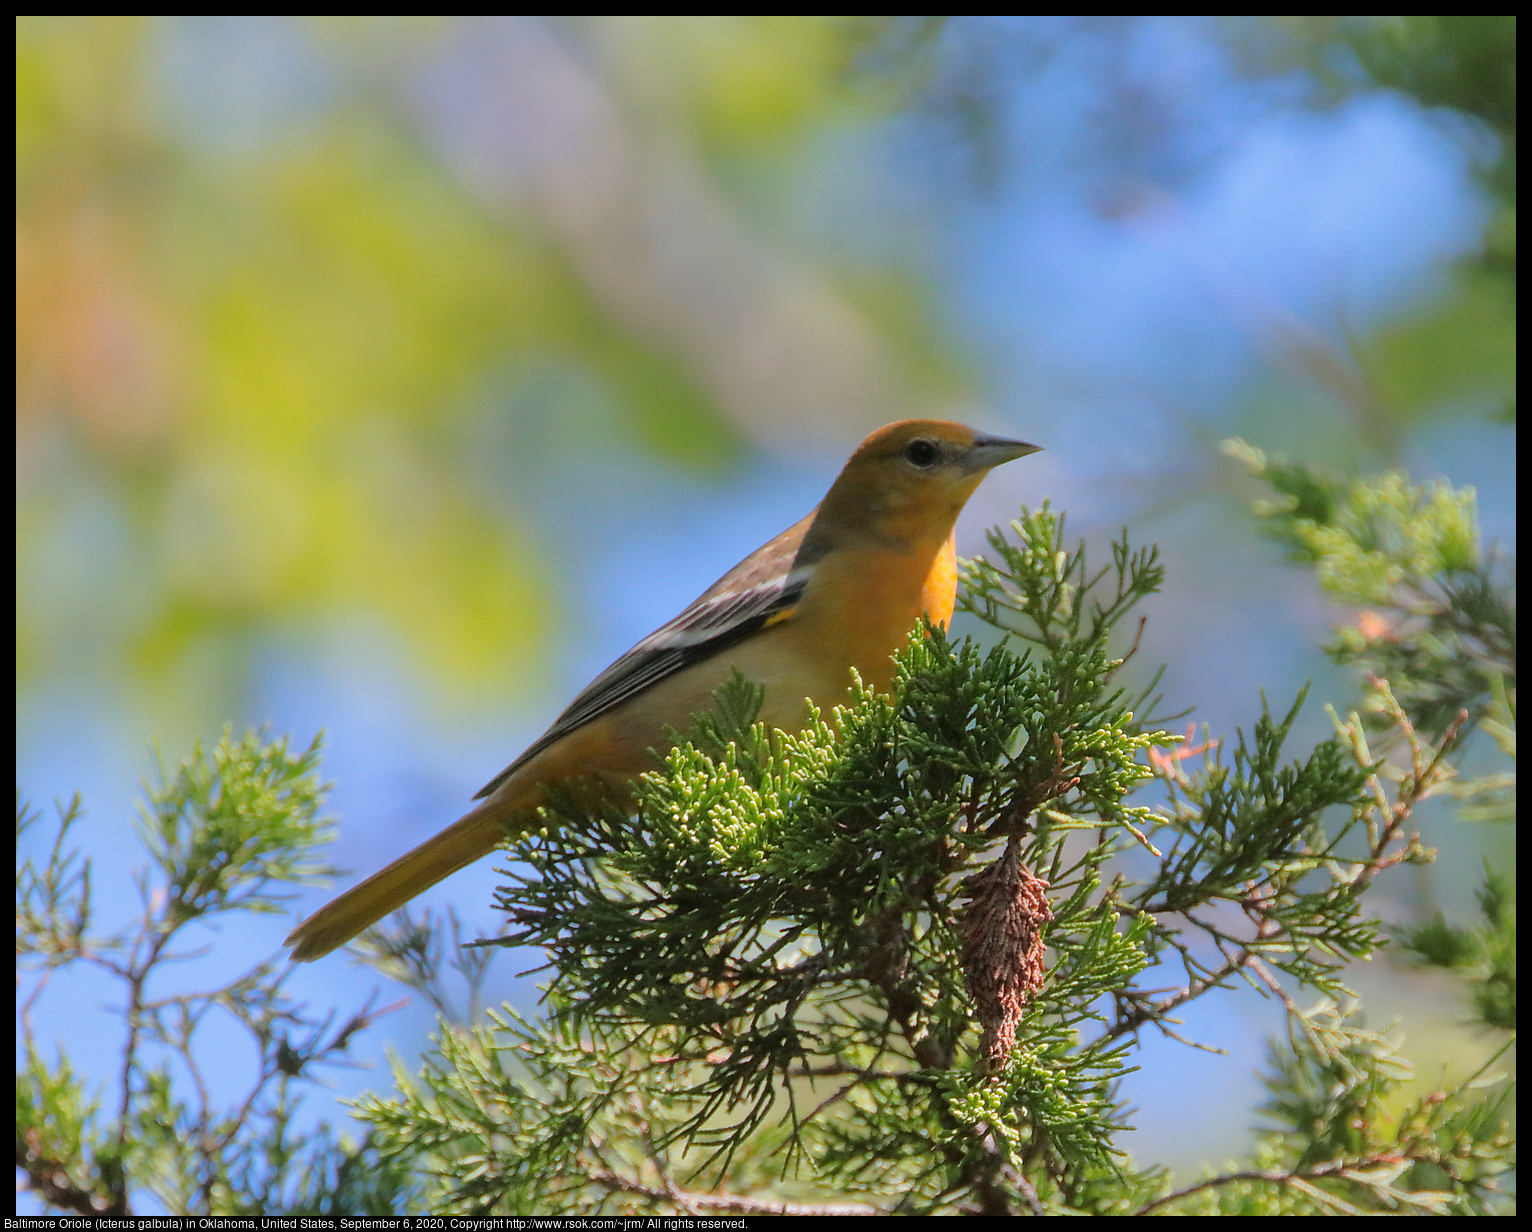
253, 343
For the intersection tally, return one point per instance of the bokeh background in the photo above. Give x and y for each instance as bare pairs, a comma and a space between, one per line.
389, 376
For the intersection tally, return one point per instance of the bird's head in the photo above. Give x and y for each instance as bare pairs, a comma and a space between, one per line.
913, 475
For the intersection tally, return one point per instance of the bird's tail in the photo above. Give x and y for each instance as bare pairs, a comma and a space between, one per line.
469, 838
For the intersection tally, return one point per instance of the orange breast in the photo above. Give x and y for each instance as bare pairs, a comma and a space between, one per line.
861, 606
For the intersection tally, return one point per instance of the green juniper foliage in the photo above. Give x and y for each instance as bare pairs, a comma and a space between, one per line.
1439, 622
221, 833
1439, 629
892, 964
884, 965
1485, 955
1346, 1143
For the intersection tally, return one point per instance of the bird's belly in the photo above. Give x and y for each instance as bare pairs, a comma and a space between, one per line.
796, 661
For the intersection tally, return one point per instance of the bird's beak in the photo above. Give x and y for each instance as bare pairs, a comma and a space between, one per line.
991, 451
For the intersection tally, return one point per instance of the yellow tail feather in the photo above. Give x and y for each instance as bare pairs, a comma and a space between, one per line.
474, 835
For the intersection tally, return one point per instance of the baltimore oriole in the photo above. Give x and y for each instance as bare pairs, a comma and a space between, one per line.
841, 589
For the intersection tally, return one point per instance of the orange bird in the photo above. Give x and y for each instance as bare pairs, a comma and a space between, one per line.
839, 590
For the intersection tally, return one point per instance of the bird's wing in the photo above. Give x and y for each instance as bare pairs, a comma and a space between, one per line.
762, 589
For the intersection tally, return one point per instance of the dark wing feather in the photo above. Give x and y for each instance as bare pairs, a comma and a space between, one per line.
763, 587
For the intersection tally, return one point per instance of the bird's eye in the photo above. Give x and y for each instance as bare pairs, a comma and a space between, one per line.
922, 452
